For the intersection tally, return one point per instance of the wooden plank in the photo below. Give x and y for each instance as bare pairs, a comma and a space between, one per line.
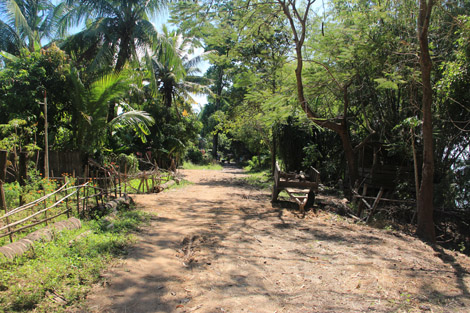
385, 199
302, 184
293, 197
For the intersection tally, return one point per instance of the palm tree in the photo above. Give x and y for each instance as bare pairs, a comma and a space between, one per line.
91, 104
118, 29
27, 23
10, 41
174, 69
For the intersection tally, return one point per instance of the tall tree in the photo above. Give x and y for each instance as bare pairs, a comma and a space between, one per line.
30, 20
174, 69
298, 21
425, 198
116, 29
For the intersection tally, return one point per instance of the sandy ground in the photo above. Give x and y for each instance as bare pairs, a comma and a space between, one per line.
219, 245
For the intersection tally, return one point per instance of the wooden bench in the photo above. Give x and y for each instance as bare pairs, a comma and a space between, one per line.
294, 184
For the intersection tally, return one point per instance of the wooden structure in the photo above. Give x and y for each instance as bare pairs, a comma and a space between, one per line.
299, 186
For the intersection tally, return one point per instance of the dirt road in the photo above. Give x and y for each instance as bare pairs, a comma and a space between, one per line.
219, 245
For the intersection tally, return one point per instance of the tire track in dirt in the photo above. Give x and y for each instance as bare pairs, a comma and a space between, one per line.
219, 245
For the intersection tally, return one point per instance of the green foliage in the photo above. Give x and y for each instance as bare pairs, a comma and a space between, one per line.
128, 162
292, 137
67, 266
23, 83
93, 124
259, 179
312, 156
194, 155
13, 192
259, 163
18, 136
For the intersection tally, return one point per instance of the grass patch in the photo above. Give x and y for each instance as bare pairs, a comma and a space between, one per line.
66, 267
134, 184
191, 166
182, 183
259, 179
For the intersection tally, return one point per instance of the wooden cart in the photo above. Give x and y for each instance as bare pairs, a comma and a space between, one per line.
300, 187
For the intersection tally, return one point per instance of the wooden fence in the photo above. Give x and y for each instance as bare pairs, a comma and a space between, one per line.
42, 210
75, 195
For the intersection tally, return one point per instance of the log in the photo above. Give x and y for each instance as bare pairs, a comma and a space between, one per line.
168, 184
46, 234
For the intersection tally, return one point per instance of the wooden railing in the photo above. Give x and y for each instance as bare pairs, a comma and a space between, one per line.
79, 193
40, 211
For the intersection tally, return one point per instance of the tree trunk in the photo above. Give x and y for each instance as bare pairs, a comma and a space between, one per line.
111, 111
349, 154
425, 207
215, 145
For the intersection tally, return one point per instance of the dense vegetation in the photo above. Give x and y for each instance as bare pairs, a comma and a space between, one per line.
339, 85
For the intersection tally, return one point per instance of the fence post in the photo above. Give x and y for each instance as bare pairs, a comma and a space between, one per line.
67, 198
120, 183
115, 186
3, 174
45, 207
23, 173
85, 191
125, 178
78, 200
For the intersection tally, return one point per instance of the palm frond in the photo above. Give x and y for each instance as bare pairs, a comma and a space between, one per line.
20, 22
139, 121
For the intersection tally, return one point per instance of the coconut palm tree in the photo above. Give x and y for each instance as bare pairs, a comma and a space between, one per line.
115, 31
27, 23
10, 41
174, 69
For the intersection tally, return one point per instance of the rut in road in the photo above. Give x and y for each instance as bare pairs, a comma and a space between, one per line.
219, 245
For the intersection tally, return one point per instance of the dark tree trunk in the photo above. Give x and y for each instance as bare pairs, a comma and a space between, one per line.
215, 145
426, 229
111, 111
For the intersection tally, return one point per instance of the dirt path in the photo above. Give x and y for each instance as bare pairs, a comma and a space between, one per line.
219, 246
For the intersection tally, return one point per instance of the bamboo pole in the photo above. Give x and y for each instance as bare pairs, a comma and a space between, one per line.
78, 201
35, 214
45, 206
67, 198
10, 233
23, 173
125, 178
3, 174
46, 140
31, 204
85, 192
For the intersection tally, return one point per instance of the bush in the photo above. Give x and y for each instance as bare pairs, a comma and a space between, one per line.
128, 162
257, 164
194, 155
